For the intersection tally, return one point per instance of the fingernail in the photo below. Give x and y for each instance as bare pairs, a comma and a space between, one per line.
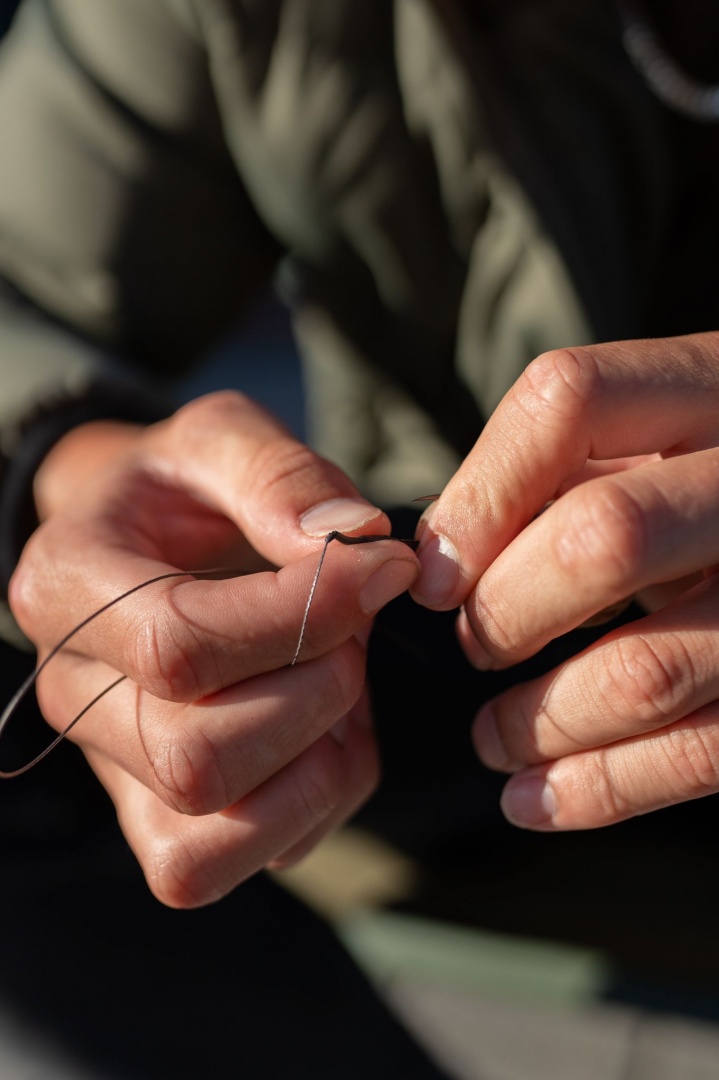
345, 515
389, 580
529, 800
488, 743
439, 576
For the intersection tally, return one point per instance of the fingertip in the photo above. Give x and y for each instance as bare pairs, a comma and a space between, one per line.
19, 594
488, 742
386, 583
529, 801
440, 570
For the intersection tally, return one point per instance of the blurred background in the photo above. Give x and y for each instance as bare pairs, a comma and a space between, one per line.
7, 10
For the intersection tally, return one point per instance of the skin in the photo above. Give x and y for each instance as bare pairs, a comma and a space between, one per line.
625, 438
219, 757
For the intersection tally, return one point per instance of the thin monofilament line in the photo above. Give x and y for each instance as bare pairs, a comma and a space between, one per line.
19, 695
10, 775
308, 605
348, 541
30, 681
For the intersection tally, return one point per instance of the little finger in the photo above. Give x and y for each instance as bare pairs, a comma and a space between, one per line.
601, 787
190, 862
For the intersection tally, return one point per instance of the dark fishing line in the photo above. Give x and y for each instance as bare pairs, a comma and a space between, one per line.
347, 540
28, 684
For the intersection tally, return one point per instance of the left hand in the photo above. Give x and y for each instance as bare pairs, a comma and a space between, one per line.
625, 438
220, 758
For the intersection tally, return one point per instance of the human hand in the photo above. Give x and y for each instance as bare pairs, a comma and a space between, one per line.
625, 438
219, 757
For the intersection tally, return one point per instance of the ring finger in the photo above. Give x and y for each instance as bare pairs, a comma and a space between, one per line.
643, 676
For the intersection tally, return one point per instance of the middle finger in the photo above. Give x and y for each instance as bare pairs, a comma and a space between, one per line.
598, 544
203, 756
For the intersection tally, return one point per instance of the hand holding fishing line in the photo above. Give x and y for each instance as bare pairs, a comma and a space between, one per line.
220, 758
628, 435
217, 752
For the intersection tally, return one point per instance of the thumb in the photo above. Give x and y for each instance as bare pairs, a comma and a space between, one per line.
242, 460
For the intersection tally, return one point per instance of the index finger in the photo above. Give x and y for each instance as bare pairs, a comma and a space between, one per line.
569, 407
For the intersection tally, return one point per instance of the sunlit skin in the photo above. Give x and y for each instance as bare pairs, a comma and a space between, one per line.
220, 757
625, 438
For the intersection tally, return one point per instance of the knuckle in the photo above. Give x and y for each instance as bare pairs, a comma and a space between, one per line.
188, 775
533, 734
216, 406
282, 463
159, 655
603, 793
647, 678
560, 383
177, 875
692, 757
604, 532
28, 587
52, 706
21, 594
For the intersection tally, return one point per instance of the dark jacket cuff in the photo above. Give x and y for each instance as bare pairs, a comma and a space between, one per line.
38, 434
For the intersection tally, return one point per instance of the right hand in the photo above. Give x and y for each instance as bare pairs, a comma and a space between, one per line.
624, 437
220, 758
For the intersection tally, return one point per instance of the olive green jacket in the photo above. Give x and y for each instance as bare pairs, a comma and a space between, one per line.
428, 185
